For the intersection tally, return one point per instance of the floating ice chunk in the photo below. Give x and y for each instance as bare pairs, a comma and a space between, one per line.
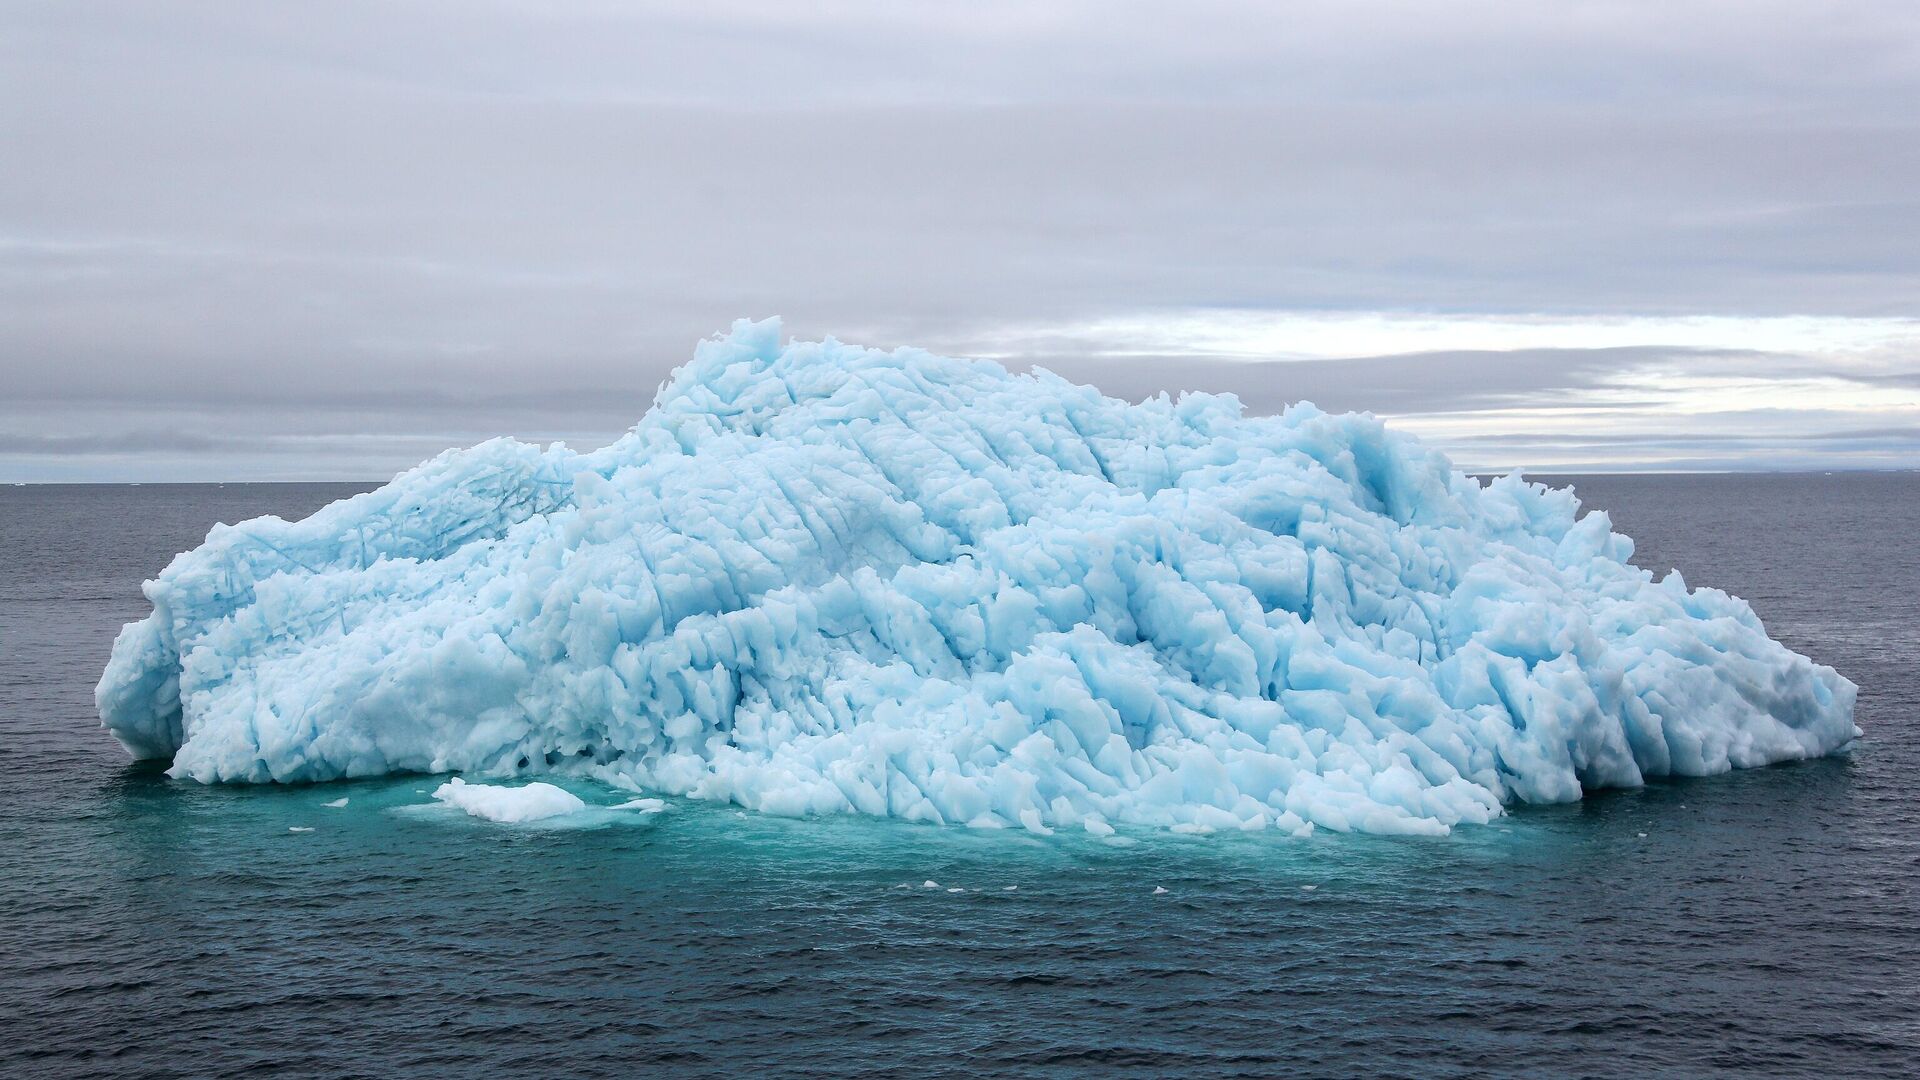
818, 579
1097, 827
1030, 818
336, 804
929, 884
299, 828
1159, 891
956, 890
1308, 888
509, 805
1010, 888
645, 806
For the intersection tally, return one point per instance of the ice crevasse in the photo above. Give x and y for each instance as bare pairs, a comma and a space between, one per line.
816, 578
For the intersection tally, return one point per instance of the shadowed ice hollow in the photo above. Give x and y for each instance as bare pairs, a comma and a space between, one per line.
816, 578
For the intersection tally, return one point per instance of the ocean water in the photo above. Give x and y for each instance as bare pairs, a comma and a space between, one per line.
1763, 923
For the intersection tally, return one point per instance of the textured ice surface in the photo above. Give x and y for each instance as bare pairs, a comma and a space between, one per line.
528, 802
819, 579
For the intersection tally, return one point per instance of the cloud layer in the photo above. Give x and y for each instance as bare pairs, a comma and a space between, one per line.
244, 241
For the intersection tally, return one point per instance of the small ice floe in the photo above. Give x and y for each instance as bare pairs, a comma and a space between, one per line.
1031, 819
299, 828
1010, 888
645, 806
1097, 827
509, 805
1308, 888
956, 890
1642, 836
929, 884
336, 804
1159, 891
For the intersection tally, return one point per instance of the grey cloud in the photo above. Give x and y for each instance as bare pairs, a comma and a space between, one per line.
1783, 439
126, 443
1890, 378
1905, 436
437, 218
1434, 382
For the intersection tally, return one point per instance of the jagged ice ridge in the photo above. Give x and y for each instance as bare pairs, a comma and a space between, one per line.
819, 579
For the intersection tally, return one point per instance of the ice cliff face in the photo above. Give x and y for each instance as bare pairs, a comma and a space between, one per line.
820, 579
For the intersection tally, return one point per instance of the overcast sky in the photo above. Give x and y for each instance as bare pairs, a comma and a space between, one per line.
275, 241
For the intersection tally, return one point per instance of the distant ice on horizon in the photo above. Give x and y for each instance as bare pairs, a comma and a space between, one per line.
816, 578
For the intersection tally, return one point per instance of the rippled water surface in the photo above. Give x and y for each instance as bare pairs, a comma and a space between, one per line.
1760, 923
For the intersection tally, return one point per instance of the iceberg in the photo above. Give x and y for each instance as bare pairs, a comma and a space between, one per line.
818, 579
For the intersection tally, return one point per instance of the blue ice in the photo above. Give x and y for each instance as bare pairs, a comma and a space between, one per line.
818, 579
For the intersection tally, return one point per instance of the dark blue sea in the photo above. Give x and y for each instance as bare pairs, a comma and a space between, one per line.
1763, 923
